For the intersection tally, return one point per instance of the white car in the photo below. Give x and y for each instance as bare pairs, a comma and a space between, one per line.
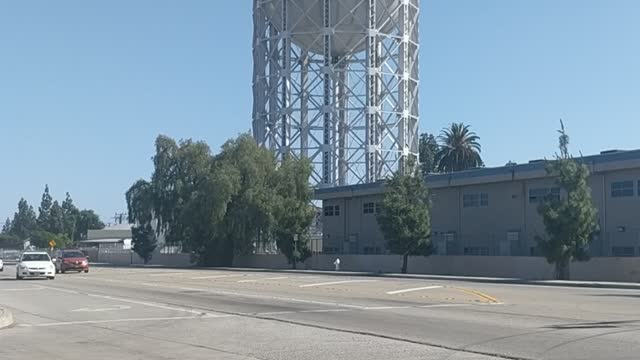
1, 265
35, 264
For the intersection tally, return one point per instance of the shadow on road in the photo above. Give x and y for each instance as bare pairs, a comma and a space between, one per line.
592, 325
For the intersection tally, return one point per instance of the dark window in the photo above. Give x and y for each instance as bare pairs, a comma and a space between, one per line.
622, 188
539, 195
336, 210
475, 200
328, 211
368, 208
378, 208
622, 251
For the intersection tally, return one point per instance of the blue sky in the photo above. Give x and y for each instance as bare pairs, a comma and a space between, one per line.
86, 86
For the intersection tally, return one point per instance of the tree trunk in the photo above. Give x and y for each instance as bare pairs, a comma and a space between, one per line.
405, 260
294, 264
562, 270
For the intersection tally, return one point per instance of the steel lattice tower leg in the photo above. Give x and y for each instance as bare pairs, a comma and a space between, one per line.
336, 81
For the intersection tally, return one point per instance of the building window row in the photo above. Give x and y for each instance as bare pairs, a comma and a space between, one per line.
371, 208
332, 210
539, 195
475, 200
623, 188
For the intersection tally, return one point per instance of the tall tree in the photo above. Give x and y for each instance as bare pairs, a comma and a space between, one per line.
70, 216
55, 222
144, 241
293, 211
459, 149
428, 150
571, 221
405, 220
6, 228
24, 221
86, 220
45, 208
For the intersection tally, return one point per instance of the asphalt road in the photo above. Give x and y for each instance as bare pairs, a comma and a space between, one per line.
125, 313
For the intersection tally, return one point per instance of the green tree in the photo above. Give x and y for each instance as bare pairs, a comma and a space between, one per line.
55, 223
24, 221
40, 239
70, 216
44, 209
293, 211
428, 149
6, 228
8, 241
86, 220
144, 241
459, 149
571, 221
405, 220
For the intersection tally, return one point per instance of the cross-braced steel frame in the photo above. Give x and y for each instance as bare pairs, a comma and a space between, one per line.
353, 113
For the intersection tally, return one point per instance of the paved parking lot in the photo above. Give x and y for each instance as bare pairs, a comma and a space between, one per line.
133, 313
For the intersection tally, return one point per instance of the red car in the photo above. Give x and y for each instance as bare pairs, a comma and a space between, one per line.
71, 260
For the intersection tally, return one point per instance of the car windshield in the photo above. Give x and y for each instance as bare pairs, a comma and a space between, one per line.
72, 254
35, 257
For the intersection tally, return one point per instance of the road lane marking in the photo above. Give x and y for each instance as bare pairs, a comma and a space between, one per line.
336, 283
479, 294
324, 310
277, 278
58, 289
151, 304
89, 322
215, 276
413, 289
247, 281
23, 289
386, 307
166, 274
111, 308
444, 305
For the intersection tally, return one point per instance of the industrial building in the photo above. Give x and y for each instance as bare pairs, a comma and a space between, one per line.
493, 211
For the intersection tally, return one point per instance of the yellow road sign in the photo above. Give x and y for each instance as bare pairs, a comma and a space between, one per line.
52, 243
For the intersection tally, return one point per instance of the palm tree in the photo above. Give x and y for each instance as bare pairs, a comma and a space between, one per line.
459, 149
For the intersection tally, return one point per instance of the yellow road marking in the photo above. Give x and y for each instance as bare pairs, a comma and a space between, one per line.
479, 294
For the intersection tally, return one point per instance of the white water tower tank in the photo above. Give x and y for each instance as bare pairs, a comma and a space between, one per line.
336, 82
348, 21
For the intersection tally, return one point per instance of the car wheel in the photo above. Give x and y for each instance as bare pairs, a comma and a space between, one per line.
86, 271
51, 277
62, 271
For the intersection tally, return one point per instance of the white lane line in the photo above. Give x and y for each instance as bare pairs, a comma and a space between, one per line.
387, 307
58, 289
275, 313
24, 289
444, 305
167, 274
214, 277
336, 283
247, 281
125, 320
324, 310
150, 284
413, 289
111, 308
150, 304
268, 297
277, 278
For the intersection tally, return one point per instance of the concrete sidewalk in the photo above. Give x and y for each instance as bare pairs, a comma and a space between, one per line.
490, 280
516, 281
6, 318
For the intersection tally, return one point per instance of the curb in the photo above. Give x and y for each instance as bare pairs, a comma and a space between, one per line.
485, 280
482, 280
6, 318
